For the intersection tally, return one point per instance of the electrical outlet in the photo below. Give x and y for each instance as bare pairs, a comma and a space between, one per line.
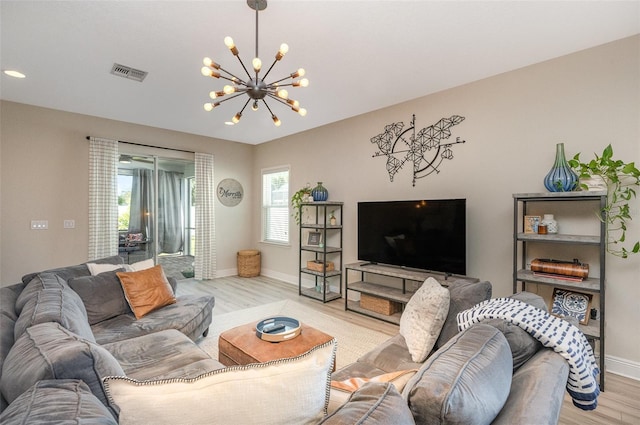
69, 224
39, 224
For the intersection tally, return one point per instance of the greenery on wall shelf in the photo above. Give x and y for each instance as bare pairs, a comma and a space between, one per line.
620, 179
298, 198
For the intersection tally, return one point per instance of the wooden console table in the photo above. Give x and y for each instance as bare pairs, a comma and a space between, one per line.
395, 284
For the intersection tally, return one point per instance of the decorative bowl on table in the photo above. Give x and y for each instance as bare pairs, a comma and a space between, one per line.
278, 329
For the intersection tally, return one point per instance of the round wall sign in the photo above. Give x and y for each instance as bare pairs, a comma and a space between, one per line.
230, 192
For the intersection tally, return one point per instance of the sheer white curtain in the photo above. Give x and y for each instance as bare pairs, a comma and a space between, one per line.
103, 200
205, 267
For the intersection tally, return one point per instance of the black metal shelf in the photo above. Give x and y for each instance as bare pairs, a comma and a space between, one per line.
326, 284
595, 329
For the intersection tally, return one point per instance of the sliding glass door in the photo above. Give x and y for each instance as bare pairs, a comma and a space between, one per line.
155, 212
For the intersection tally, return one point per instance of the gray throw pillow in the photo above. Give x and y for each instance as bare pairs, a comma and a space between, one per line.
462, 296
376, 403
102, 296
49, 351
523, 346
467, 381
58, 401
62, 306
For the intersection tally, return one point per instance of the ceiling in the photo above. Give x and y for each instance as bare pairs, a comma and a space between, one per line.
359, 56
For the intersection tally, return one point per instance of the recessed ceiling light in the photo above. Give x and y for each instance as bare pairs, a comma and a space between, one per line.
13, 73
229, 123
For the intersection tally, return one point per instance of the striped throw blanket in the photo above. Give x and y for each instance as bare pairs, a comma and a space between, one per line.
553, 332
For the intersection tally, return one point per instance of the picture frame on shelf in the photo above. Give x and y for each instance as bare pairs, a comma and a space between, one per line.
565, 303
531, 223
314, 238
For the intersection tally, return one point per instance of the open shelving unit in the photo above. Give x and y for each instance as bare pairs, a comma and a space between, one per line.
326, 284
524, 242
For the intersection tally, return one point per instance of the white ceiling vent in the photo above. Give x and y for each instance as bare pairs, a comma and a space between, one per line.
128, 72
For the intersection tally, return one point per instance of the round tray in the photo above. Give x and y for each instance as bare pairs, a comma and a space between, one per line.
289, 328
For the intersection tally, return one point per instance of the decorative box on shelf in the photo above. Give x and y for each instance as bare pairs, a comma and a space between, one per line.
379, 305
319, 266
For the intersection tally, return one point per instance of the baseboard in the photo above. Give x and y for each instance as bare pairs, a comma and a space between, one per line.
623, 367
280, 276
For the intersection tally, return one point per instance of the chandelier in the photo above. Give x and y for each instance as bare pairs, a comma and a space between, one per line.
254, 86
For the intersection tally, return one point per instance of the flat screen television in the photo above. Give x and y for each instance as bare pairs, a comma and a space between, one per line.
423, 234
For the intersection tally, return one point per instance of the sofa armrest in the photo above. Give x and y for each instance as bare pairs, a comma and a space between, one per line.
537, 391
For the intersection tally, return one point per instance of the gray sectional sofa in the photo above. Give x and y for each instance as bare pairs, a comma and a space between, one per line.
58, 344
493, 372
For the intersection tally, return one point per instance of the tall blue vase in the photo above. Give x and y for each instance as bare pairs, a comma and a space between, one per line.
319, 193
561, 177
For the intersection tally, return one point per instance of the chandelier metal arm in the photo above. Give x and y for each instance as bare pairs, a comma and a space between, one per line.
275, 97
231, 97
234, 78
243, 67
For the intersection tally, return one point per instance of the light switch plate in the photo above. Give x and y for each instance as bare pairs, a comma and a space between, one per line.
39, 224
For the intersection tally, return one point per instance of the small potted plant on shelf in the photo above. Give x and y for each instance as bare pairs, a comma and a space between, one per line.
302, 195
618, 179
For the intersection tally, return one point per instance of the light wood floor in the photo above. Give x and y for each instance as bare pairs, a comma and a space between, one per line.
619, 404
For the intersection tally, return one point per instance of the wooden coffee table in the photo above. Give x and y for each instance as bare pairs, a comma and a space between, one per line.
241, 346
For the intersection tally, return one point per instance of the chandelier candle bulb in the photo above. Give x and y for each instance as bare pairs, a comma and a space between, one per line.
257, 64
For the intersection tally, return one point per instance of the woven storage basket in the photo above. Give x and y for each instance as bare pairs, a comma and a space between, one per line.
249, 263
379, 305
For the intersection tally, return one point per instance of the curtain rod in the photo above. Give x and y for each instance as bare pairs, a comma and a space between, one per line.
149, 146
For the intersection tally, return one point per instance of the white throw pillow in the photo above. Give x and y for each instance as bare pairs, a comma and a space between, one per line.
285, 391
95, 268
140, 265
423, 318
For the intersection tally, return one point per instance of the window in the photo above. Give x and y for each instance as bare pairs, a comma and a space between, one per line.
275, 205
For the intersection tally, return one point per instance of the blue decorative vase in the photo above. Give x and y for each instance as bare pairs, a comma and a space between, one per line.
319, 193
561, 177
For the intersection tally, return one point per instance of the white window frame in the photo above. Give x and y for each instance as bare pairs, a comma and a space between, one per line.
283, 205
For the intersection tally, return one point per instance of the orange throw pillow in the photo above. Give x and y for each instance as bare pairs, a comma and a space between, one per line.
146, 290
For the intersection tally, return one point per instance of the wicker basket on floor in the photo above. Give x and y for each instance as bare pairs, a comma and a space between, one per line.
249, 263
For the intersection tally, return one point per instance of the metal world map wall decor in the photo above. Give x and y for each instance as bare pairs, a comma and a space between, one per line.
425, 149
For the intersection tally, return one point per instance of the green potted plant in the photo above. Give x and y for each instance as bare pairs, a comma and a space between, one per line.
297, 199
620, 179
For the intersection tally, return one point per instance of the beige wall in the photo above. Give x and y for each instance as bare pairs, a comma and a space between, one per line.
513, 122
44, 176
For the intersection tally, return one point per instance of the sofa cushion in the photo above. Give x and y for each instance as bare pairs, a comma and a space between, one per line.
161, 355
537, 391
146, 290
285, 391
191, 315
102, 296
140, 265
49, 351
62, 306
463, 295
373, 404
467, 381
60, 401
97, 268
523, 346
69, 272
423, 317
38, 283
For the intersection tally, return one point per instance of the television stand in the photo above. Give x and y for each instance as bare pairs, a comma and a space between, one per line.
385, 290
